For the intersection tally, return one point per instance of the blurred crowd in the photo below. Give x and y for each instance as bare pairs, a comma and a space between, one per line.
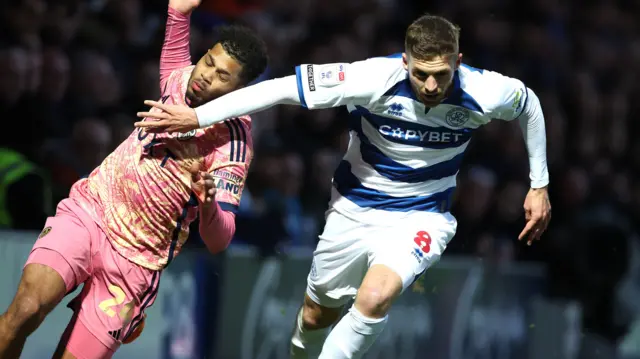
74, 72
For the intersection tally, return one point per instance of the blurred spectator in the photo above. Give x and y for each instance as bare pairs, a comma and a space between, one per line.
95, 86
121, 125
73, 158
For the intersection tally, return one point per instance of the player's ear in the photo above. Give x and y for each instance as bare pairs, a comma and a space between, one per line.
405, 61
459, 60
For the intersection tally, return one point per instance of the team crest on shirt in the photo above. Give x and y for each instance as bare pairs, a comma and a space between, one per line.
44, 232
456, 117
186, 135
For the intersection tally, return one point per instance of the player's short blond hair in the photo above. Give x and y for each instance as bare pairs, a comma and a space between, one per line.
431, 36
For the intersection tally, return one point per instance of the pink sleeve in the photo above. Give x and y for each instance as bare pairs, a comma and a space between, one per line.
175, 50
229, 165
217, 228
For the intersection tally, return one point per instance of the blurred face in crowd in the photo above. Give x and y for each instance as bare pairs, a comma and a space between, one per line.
216, 74
147, 78
34, 74
26, 15
95, 78
431, 78
55, 74
13, 74
293, 174
91, 138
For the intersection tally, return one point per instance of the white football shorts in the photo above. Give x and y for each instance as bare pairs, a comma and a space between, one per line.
408, 245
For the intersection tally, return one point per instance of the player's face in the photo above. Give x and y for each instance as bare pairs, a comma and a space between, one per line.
216, 74
431, 79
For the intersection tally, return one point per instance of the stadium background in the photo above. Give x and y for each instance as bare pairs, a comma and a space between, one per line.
73, 73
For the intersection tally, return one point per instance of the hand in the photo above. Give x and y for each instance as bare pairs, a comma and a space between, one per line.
203, 186
184, 6
537, 210
173, 118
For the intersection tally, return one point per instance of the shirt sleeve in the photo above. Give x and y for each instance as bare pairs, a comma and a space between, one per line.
517, 102
231, 162
313, 86
531, 121
332, 85
175, 49
511, 96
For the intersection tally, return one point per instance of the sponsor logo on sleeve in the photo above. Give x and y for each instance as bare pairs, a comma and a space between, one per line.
227, 181
310, 79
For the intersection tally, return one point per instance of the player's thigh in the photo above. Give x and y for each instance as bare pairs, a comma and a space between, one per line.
78, 343
40, 290
339, 261
412, 245
111, 306
58, 262
64, 244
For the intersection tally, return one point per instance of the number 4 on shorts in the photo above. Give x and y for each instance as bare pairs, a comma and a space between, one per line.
423, 240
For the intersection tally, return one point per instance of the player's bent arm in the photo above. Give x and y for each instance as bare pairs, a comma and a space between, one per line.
313, 87
531, 122
228, 166
512, 100
217, 227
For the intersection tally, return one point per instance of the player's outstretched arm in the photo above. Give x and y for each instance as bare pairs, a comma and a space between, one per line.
313, 87
175, 49
517, 102
537, 206
245, 101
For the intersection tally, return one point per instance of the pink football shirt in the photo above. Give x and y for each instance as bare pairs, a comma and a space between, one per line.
141, 193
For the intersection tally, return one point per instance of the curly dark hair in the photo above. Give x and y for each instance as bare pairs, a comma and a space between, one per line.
244, 46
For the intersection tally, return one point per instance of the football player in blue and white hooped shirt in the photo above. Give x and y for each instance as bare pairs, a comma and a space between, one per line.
413, 116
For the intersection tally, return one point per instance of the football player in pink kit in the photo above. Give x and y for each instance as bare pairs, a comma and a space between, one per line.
124, 223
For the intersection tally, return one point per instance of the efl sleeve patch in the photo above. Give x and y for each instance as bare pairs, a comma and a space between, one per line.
331, 75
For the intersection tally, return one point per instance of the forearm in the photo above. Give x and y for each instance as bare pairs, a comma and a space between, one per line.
175, 49
217, 227
533, 129
249, 100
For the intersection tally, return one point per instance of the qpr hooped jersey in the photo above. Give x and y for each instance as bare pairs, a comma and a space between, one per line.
403, 156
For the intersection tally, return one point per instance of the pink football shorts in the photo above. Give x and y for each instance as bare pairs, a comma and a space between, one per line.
116, 291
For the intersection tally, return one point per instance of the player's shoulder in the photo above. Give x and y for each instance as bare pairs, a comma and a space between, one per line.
237, 128
387, 66
246, 120
383, 72
490, 89
178, 80
182, 73
242, 122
